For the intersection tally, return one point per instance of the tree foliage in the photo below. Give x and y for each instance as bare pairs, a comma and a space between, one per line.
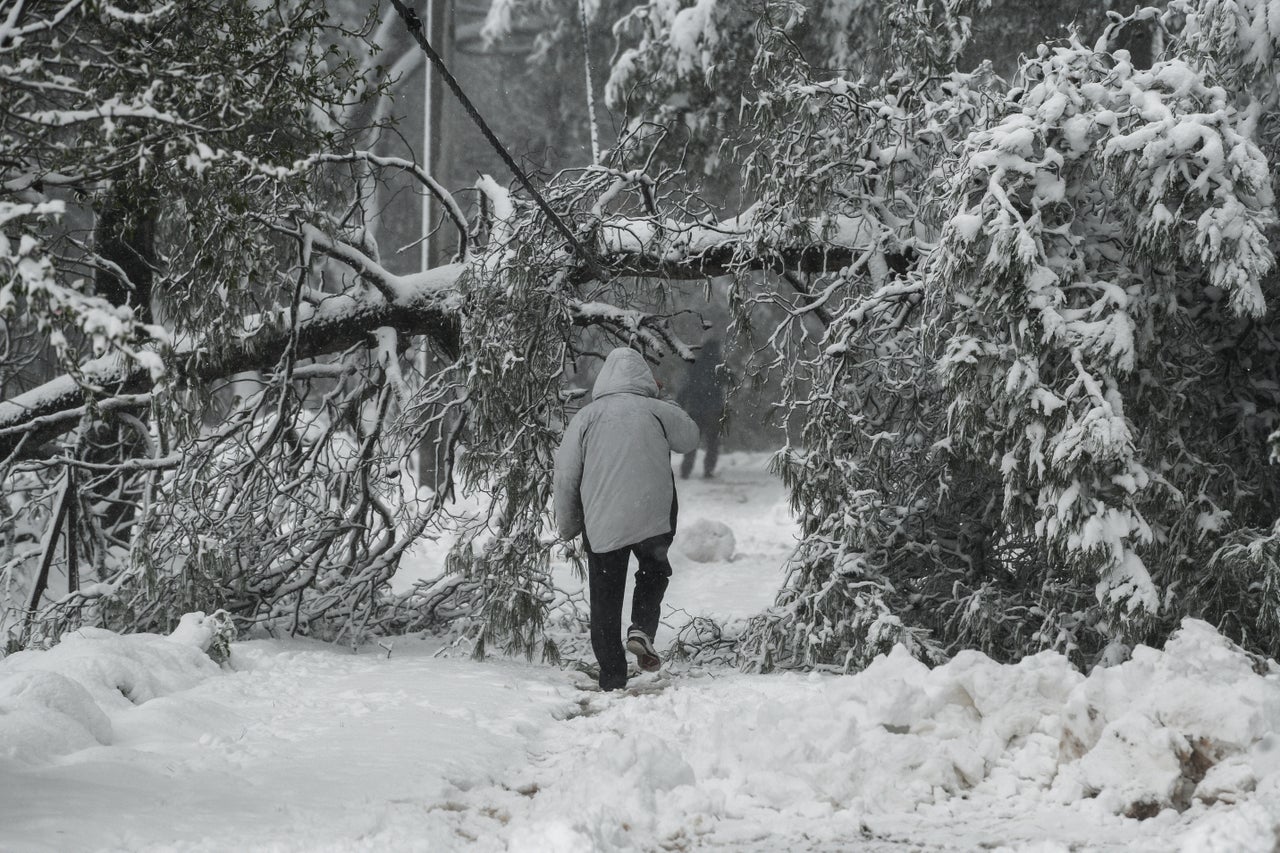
1048, 431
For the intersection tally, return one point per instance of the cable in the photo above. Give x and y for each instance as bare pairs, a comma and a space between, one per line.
414, 25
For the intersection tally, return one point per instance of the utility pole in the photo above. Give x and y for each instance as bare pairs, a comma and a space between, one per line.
437, 22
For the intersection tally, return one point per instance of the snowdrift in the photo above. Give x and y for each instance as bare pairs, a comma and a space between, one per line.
62, 700
1185, 733
1175, 748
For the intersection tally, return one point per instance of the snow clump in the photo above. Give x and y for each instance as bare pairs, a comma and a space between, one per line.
62, 700
211, 634
706, 541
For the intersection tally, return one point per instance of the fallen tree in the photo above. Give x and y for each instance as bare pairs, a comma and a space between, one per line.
426, 304
1024, 330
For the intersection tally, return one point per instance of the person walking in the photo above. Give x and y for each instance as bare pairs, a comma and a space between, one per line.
613, 484
703, 398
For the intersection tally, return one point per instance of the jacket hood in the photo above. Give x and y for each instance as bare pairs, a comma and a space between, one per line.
625, 372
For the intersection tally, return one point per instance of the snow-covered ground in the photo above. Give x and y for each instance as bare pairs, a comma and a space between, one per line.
743, 495
141, 743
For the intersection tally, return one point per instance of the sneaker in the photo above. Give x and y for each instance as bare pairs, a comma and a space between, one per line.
639, 644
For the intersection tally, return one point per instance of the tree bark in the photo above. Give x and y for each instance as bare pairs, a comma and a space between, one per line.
66, 496
125, 238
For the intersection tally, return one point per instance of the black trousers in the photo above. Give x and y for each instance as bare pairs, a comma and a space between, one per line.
607, 580
711, 441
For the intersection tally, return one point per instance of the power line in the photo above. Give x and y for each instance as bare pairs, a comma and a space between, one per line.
414, 25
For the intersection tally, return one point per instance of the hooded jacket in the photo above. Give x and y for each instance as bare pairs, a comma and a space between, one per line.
613, 467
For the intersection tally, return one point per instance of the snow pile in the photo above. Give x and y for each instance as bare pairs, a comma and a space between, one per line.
62, 700
705, 541
1193, 723
211, 634
449, 754
1190, 729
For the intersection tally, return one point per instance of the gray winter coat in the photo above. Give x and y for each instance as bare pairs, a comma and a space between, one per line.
613, 468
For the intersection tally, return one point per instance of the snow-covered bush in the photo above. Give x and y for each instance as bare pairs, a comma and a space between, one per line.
1098, 213
1043, 428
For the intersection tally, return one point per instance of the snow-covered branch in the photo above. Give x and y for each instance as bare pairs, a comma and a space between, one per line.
426, 304
12, 29
664, 249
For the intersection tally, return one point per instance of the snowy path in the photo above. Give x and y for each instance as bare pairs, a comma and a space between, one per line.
308, 748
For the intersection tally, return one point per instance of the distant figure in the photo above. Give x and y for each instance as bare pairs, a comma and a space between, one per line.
702, 397
613, 484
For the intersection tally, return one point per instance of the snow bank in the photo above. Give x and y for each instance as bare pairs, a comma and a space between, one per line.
1172, 731
1192, 723
705, 541
62, 700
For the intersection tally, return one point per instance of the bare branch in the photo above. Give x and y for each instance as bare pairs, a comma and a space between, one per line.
442, 195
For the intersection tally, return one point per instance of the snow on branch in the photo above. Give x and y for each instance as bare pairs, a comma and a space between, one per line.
391, 286
118, 14
652, 247
425, 303
630, 322
108, 111
11, 31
